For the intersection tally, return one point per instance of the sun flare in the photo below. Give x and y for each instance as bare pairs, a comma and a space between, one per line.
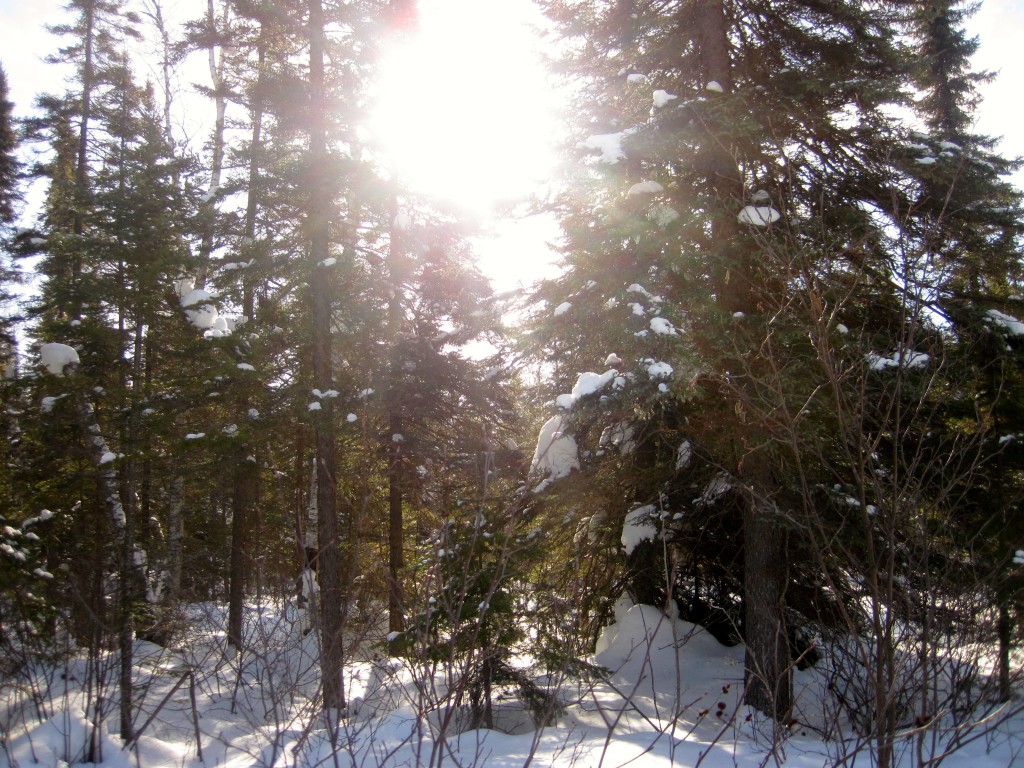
464, 112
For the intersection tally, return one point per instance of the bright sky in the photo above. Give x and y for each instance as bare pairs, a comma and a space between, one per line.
465, 113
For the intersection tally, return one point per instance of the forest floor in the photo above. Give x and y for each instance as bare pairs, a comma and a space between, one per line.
669, 694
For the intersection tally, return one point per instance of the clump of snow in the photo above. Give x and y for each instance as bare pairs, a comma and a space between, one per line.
613, 359
330, 261
314, 406
639, 526
662, 326
658, 370
402, 220
562, 308
636, 78
56, 357
619, 435
608, 144
714, 87
245, 367
637, 308
1007, 323
637, 288
195, 435
1018, 557
564, 402
907, 358
718, 486
926, 160
663, 215
351, 418
107, 457
842, 329
556, 454
683, 455
661, 98
590, 383
199, 308
645, 188
758, 215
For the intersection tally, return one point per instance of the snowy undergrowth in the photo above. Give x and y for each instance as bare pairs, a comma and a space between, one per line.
669, 694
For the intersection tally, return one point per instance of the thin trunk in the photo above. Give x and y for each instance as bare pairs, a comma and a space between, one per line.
82, 159
396, 533
216, 64
329, 550
243, 492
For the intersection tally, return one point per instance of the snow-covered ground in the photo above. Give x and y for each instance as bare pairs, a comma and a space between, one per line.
667, 694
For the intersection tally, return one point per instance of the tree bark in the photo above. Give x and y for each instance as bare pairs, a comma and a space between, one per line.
329, 550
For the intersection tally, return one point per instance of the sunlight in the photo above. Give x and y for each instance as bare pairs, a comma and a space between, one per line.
464, 113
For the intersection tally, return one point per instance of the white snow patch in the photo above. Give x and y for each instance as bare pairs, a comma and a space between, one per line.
556, 454
662, 326
659, 370
1008, 323
714, 87
661, 98
639, 527
613, 359
684, 453
645, 188
351, 418
636, 78
608, 144
195, 435
55, 357
315, 406
758, 215
562, 308
245, 367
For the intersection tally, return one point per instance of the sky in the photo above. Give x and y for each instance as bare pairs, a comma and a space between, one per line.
476, 64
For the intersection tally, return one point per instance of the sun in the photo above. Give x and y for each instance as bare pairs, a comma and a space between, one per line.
464, 110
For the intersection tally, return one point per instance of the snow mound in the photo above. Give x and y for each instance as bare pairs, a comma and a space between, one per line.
645, 188
562, 308
758, 215
638, 527
199, 308
556, 454
608, 144
56, 357
1006, 323
661, 98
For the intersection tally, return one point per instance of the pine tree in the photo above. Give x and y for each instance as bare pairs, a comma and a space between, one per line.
736, 216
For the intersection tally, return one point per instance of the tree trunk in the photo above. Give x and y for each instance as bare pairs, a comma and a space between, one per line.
329, 550
243, 491
768, 672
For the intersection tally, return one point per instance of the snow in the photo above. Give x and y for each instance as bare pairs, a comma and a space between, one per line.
195, 435
926, 161
683, 455
637, 308
1004, 322
758, 215
107, 457
199, 309
556, 454
638, 527
714, 87
661, 98
590, 383
56, 357
1018, 557
351, 418
645, 188
402, 220
659, 370
608, 144
842, 329
562, 308
564, 402
662, 326
245, 367
613, 359
636, 78
314, 406
907, 358
329, 262
637, 288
